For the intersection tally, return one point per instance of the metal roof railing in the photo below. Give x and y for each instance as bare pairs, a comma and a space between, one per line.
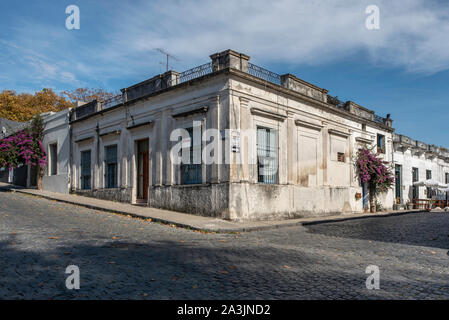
196, 72
111, 102
263, 73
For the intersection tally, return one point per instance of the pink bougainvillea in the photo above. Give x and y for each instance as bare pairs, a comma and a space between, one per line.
24, 147
375, 172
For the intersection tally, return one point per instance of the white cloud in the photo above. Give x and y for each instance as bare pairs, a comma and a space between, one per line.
36, 67
413, 34
119, 41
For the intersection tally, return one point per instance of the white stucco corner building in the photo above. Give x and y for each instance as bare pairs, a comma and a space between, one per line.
121, 148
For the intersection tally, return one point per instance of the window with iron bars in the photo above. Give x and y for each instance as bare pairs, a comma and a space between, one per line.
85, 170
191, 173
111, 166
267, 155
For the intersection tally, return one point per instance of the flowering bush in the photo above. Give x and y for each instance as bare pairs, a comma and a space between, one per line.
24, 147
375, 172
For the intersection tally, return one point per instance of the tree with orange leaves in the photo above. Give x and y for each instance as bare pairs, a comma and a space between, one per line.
88, 94
24, 106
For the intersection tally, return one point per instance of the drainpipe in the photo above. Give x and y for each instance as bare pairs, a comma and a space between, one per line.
394, 170
401, 172
69, 116
97, 130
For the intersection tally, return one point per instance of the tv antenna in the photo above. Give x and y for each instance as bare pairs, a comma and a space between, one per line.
167, 57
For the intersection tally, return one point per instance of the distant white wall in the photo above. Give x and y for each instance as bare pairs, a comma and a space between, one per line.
409, 160
56, 131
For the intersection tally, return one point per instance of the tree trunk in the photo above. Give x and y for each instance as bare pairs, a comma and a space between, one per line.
40, 174
372, 199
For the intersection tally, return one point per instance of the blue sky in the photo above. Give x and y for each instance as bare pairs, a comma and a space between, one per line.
401, 69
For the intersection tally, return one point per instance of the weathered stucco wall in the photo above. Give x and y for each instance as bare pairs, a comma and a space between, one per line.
311, 180
154, 119
113, 194
268, 201
205, 200
58, 183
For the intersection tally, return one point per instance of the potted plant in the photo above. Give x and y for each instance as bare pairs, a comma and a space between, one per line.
409, 205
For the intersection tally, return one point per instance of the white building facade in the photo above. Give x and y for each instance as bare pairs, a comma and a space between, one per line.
416, 161
56, 143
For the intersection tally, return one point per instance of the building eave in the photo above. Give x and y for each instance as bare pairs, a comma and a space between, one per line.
304, 98
244, 75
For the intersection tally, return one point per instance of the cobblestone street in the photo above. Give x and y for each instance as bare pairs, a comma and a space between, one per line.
126, 258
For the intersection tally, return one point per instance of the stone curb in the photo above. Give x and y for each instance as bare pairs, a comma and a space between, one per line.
217, 230
309, 223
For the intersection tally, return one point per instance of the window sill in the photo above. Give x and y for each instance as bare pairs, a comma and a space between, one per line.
340, 162
179, 185
114, 188
192, 185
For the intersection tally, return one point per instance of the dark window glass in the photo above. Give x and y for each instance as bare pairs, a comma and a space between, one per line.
429, 190
415, 177
398, 181
85, 170
53, 159
111, 166
447, 181
380, 143
341, 157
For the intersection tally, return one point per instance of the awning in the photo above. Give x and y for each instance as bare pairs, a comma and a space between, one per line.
427, 183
